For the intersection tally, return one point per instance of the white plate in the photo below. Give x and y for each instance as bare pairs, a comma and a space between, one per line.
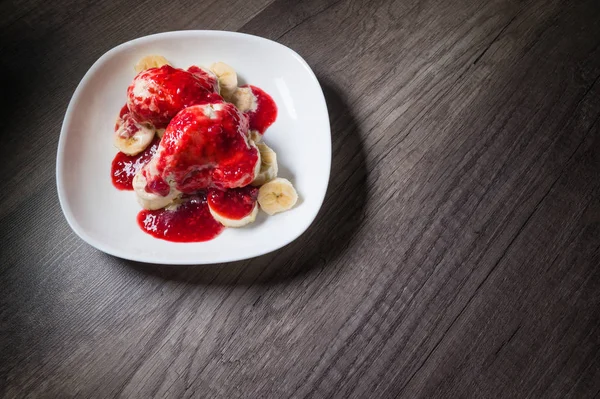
106, 217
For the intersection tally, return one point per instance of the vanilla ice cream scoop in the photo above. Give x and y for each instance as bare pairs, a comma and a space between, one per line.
156, 95
204, 146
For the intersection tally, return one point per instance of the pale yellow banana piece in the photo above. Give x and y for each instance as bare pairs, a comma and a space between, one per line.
258, 164
227, 79
148, 200
243, 99
150, 61
268, 165
251, 217
133, 145
276, 196
255, 136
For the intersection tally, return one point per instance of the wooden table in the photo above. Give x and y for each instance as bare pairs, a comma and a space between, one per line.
457, 253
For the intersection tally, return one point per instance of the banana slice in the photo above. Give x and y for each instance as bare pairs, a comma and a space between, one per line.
244, 100
258, 165
150, 61
148, 200
276, 196
132, 137
227, 79
233, 207
255, 136
160, 132
268, 165
227, 222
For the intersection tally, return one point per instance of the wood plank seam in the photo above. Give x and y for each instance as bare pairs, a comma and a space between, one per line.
495, 39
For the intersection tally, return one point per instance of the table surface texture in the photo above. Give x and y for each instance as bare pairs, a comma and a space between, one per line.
457, 253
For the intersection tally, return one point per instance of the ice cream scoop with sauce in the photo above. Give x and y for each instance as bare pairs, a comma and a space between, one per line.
204, 146
156, 95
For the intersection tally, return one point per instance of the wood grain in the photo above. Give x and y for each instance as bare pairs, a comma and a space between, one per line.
456, 253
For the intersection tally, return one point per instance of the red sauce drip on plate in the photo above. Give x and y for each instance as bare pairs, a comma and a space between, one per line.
265, 113
234, 203
124, 166
190, 222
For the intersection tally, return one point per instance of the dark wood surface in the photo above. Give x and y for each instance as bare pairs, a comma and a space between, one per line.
457, 253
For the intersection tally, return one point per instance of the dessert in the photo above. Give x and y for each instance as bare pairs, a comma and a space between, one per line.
205, 146
191, 149
156, 95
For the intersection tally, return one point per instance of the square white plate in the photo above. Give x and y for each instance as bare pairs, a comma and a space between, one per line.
106, 217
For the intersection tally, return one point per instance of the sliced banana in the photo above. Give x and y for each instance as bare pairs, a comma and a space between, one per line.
276, 196
132, 137
255, 136
160, 132
258, 165
227, 79
148, 200
234, 222
243, 99
150, 61
268, 165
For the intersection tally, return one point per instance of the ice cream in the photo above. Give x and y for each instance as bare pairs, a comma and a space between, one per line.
204, 146
156, 95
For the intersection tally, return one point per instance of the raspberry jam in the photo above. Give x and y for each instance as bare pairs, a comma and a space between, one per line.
205, 146
127, 126
190, 222
234, 203
157, 94
208, 78
124, 167
265, 113
123, 111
